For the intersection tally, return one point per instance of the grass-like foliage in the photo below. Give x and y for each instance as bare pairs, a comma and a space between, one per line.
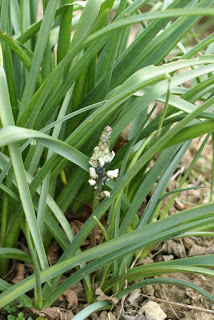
65, 78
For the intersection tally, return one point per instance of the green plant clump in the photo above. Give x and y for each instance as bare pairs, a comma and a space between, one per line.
70, 84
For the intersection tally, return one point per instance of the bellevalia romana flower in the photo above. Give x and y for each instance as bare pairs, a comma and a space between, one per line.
104, 194
99, 161
92, 182
112, 173
93, 173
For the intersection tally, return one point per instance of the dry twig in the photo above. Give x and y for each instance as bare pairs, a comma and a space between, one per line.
173, 311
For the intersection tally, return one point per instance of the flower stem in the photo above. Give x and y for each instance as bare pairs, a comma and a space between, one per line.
94, 231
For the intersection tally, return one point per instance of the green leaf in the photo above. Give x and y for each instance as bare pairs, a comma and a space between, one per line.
14, 254
7, 119
38, 54
145, 236
191, 132
178, 282
11, 134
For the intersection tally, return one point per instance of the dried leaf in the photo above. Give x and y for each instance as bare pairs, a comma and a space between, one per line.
54, 252
129, 317
134, 296
195, 296
67, 315
146, 261
188, 242
178, 205
20, 273
71, 297
149, 290
107, 316
76, 225
168, 257
103, 297
53, 313
93, 316
197, 250
175, 249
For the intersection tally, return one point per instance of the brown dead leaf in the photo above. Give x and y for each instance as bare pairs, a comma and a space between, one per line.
168, 257
146, 261
78, 288
197, 250
130, 317
107, 316
54, 252
134, 297
103, 297
193, 294
71, 297
149, 290
188, 242
67, 315
175, 248
178, 205
206, 242
52, 313
76, 225
93, 316
20, 273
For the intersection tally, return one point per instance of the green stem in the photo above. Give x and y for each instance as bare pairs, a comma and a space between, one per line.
104, 275
94, 231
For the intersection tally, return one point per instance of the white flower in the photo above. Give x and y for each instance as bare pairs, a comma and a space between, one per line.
113, 173
111, 155
105, 194
93, 163
101, 154
108, 157
101, 162
93, 173
92, 182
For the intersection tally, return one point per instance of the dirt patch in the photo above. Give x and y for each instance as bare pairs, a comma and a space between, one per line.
176, 302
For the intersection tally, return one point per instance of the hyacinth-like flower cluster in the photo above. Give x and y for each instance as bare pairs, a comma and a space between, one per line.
99, 161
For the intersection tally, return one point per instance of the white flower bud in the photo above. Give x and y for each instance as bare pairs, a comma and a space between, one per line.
93, 163
112, 154
106, 158
105, 194
92, 182
93, 173
101, 162
113, 173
